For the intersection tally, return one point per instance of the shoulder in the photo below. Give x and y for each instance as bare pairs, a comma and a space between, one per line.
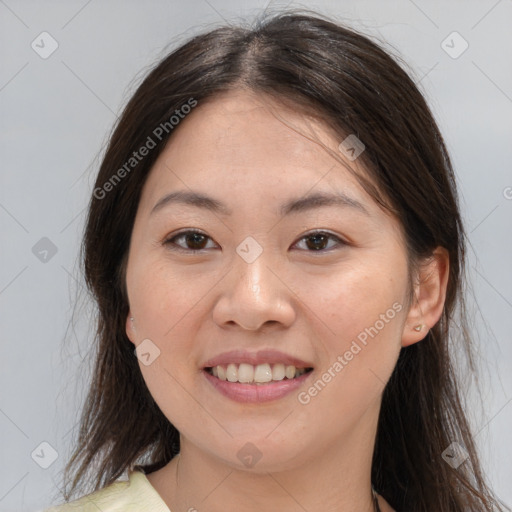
134, 494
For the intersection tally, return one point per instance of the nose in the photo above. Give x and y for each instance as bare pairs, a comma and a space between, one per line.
253, 295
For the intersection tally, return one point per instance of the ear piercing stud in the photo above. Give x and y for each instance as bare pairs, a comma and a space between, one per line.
418, 327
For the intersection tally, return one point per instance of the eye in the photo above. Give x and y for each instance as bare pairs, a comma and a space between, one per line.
193, 241
318, 241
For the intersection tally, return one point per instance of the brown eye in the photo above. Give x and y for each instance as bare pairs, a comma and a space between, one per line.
195, 241
319, 241
190, 240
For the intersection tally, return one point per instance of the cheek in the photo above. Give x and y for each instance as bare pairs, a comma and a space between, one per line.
353, 299
163, 296
165, 305
358, 313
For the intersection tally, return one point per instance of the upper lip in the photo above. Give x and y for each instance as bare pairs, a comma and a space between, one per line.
261, 356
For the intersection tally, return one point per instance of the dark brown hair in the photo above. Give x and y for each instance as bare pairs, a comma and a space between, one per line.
354, 87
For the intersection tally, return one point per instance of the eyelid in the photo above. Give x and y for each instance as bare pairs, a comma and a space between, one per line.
168, 239
341, 241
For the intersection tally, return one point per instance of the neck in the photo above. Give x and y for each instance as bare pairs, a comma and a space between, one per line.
338, 479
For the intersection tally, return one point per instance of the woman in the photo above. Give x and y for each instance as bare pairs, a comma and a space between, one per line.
276, 249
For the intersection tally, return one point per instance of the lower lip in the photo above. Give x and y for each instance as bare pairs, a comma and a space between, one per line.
254, 393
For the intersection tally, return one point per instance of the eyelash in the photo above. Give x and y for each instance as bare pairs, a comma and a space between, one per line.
170, 241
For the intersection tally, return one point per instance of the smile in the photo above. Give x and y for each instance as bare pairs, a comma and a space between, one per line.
256, 374
252, 391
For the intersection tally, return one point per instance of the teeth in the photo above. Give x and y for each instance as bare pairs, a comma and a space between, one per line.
290, 372
246, 373
260, 374
278, 372
232, 373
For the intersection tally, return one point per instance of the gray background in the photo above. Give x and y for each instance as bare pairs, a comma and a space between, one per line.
55, 116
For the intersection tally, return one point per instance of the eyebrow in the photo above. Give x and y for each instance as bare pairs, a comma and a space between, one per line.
309, 202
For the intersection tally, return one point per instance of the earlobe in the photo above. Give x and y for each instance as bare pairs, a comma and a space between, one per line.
429, 297
130, 327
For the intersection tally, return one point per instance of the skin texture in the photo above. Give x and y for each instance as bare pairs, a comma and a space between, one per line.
309, 303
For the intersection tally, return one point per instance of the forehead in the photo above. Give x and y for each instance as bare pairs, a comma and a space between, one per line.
250, 144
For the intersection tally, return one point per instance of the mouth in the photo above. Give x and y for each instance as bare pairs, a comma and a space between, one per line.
258, 375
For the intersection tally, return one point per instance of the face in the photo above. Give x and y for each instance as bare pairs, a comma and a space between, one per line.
261, 274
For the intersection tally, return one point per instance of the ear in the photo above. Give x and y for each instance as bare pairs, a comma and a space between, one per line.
429, 296
130, 327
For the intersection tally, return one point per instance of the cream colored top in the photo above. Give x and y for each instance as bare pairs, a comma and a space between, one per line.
133, 495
